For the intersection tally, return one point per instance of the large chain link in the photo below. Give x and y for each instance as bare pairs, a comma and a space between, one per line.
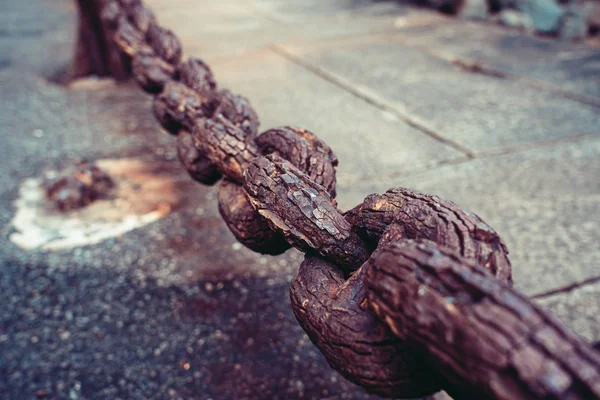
406, 294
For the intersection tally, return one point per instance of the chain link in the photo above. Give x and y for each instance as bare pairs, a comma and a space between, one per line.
486, 339
422, 216
405, 294
335, 314
248, 226
196, 164
305, 151
302, 211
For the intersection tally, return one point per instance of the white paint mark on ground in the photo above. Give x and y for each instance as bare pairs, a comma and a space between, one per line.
143, 195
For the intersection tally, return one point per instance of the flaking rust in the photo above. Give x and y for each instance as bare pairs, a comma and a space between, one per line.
488, 340
369, 354
305, 151
334, 313
77, 186
129, 39
249, 227
197, 75
226, 145
196, 164
429, 217
141, 16
151, 72
238, 110
302, 211
178, 106
164, 43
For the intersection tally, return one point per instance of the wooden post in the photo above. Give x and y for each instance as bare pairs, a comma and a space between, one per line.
96, 52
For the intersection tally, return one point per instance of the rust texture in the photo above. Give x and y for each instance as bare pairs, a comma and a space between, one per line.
430, 217
128, 4
164, 42
302, 211
248, 227
336, 316
226, 145
78, 186
305, 151
488, 340
141, 16
196, 75
334, 313
151, 72
196, 164
160, 110
178, 106
129, 39
238, 110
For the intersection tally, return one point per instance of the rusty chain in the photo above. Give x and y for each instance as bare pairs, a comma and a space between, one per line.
406, 294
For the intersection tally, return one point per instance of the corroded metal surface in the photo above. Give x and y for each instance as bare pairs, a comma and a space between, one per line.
488, 340
302, 211
249, 227
335, 314
305, 151
429, 217
77, 186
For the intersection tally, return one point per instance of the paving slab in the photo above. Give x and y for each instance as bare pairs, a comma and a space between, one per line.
298, 9
476, 111
579, 308
368, 141
210, 30
571, 66
542, 202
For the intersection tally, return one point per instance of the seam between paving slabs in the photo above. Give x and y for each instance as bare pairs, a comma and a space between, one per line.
372, 98
485, 155
479, 67
368, 96
566, 289
467, 64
